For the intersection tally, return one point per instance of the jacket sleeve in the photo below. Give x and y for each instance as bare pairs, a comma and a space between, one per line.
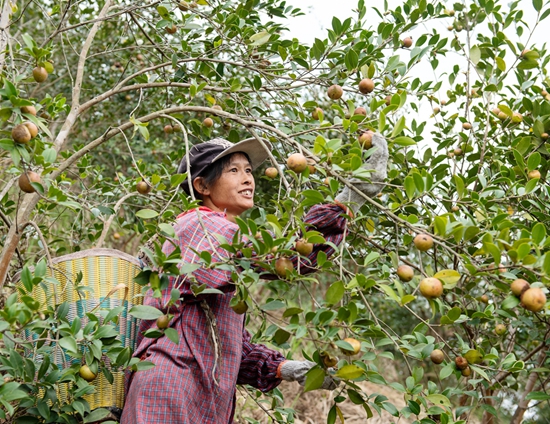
259, 365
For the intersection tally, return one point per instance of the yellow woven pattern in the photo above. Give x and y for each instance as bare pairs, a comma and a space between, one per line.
100, 275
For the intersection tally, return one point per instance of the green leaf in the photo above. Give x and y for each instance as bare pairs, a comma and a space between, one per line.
260, 38
510, 302
448, 277
167, 230
351, 60
537, 4
68, 343
404, 141
390, 292
475, 55
534, 161
173, 335
145, 312
439, 400
314, 379
143, 366
146, 213
538, 233
335, 293
273, 305
410, 187
537, 396
96, 415
501, 64
446, 371
350, 372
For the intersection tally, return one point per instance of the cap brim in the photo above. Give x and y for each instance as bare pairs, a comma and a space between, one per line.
256, 152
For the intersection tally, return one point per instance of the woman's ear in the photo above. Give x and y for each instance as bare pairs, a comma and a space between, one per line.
200, 187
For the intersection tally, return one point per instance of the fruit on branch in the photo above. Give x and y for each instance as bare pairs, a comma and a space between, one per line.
271, 172
355, 344
458, 151
467, 126
40, 74
283, 267
544, 136
455, 208
436, 110
240, 307
143, 187
21, 134
168, 129
405, 273
431, 288
28, 109
208, 122
407, 42
519, 286
171, 29
26, 179
533, 299
466, 372
437, 356
535, 173
484, 299
335, 92
473, 357
311, 166
500, 329
328, 360
33, 129
423, 242
303, 247
86, 373
316, 113
365, 139
163, 322
360, 111
366, 85
217, 107
461, 363
496, 111
517, 117
296, 162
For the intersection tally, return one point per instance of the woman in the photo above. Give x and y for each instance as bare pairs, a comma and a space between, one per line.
194, 381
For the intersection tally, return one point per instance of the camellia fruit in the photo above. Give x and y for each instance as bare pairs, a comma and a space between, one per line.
163, 322
26, 179
407, 42
355, 344
360, 111
217, 107
431, 288
33, 129
533, 299
86, 373
21, 134
437, 356
28, 109
168, 129
405, 273
484, 298
329, 360
303, 247
461, 363
283, 267
171, 29
297, 162
366, 85
40, 74
466, 372
535, 173
240, 307
208, 122
500, 329
517, 117
316, 113
519, 286
467, 126
423, 242
335, 92
271, 172
365, 139
143, 188
387, 100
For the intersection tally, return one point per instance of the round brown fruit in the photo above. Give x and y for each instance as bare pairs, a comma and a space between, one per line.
461, 363
544, 136
423, 242
466, 372
458, 151
33, 129
535, 173
240, 307
519, 286
86, 373
303, 247
366, 85
217, 107
21, 134
315, 114
176, 128
533, 299
407, 42
496, 111
431, 288
40, 74
500, 329
335, 92
360, 111
208, 122
163, 322
271, 172
484, 299
143, 188
329, 360
502, 116
297, 162
26, 179
436, 110
311, 166
467, 126
28, 109
365, 139
116, 236
171, 29
168, 129
405, 273
455, 208
387, 100
355, 344
283, 267
437, 356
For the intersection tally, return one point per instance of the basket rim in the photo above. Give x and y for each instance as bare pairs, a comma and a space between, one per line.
97, 252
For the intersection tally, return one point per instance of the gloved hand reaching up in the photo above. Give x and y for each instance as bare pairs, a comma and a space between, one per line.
378, 163
297, 370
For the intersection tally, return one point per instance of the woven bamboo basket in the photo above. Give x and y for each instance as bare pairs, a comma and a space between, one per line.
109, 276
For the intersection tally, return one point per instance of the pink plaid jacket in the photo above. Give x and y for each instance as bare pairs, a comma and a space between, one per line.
180, 388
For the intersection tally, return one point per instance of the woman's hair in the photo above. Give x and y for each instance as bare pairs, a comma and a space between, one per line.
213, 173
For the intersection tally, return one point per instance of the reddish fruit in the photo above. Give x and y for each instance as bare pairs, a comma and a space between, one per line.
519, 286
461, 363
533, 299
484, 299
283, 267
297, 162
271, 172
335, 92
405, 273
33, 129
431, 288
360, 111
39, 74
143, 188
208, 122
303, 247
387, 100
365, 139
437, 356
26, 179
316, 113
168, 129
21, 134
423, 242
311, 166
366, 85
28, 109
171, 29
407, 42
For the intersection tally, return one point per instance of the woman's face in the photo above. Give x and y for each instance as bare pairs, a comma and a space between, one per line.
233, 192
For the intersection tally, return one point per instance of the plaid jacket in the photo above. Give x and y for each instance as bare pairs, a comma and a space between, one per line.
181, 387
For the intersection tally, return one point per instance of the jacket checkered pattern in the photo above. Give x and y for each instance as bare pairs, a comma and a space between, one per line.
180, 388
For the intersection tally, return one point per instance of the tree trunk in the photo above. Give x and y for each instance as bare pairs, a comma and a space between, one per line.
488, 418
4, 21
